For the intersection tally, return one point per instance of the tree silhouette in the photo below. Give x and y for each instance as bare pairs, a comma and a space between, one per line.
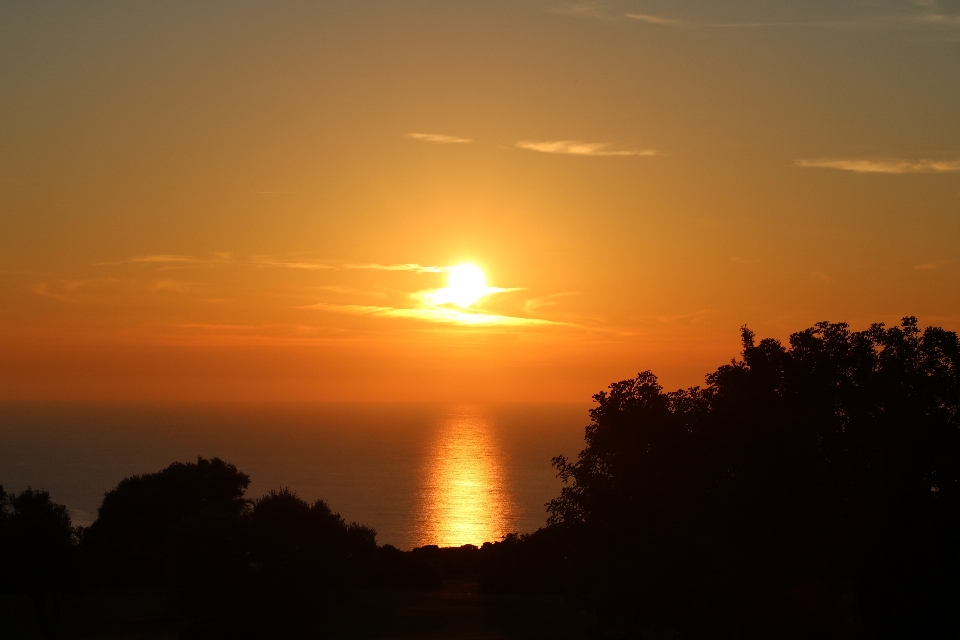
813, 490
128, 541
270, 572
37, 552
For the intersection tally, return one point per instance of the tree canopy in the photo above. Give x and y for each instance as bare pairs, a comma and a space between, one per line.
814, 486
134, 523
37, 552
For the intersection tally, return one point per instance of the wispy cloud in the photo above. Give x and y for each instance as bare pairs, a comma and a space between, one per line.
43, 289
72, 291
587, 10
928, 18
290, 264
271, 261
578, 148
530, 306
350, 291
161, 258
175, 261
674, 22
437, 315
415, 268
865, 165
670, 22
439, 138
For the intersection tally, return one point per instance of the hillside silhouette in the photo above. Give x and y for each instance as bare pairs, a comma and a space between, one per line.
807, 490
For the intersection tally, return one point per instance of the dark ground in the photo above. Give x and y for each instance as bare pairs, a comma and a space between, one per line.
455, 610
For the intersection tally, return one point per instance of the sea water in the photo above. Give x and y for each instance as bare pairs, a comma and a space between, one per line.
417, 473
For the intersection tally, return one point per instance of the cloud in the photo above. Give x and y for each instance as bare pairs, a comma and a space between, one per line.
586, 10
291, 264
306, 264
334, 288
928, 16
534, 304
578, 148
163, 258
43, 289
673, 22
694, 317
444, 316
59, 289
882, 166
438, 138
173, 261
416, 268
657, 20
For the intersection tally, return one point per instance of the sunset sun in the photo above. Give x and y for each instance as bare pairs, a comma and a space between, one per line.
466, 284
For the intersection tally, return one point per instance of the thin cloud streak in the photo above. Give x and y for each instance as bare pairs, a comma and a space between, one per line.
868, 22
585, 10
415, 268
163, 258
43, 289
578, 148
439, 138
882, 166
443, 316
534, 304
643, 17
291, 264
267, 261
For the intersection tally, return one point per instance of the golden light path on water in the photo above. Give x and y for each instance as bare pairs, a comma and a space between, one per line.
465, 497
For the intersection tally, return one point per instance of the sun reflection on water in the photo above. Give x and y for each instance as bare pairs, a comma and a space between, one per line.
465, 497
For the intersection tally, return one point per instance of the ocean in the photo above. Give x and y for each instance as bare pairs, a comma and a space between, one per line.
417, 473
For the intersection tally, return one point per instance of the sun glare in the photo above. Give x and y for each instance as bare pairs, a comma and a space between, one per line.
466, 283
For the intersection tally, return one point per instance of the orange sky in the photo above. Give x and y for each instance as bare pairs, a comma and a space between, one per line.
247, 201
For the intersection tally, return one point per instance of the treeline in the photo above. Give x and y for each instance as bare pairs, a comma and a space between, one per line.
232, 567
809, 490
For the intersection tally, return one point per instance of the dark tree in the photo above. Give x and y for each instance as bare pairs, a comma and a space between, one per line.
37, 552
271, 572
129, 541
806, 491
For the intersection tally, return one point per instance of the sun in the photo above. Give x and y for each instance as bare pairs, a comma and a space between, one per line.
466, 283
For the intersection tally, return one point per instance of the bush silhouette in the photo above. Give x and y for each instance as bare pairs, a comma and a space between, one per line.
128, 542
37, 553
806, 491
270, 572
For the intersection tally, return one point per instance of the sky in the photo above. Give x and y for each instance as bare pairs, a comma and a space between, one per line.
266, 201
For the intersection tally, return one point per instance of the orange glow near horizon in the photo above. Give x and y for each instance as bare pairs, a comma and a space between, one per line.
464, 499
